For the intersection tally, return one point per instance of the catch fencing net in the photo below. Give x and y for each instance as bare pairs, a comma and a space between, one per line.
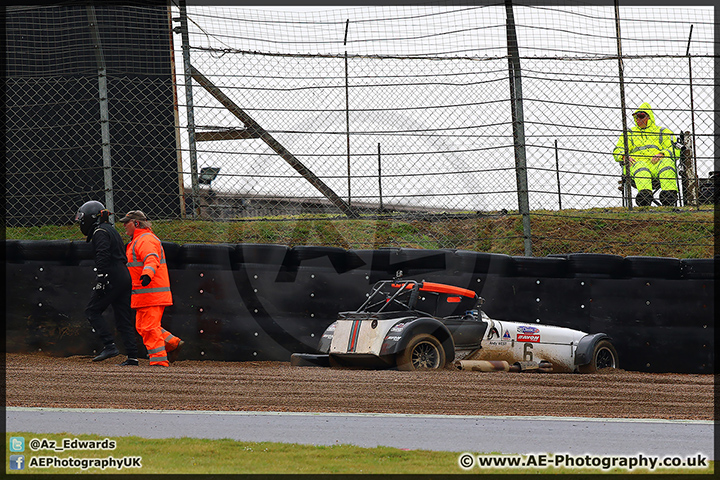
89, 112
407, 112
399, 125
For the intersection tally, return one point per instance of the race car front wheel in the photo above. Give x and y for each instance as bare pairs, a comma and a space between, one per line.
604, 356
423, 352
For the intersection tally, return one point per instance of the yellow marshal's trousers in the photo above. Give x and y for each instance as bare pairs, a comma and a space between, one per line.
643, 171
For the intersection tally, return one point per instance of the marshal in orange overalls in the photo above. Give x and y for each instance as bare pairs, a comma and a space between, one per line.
146, 256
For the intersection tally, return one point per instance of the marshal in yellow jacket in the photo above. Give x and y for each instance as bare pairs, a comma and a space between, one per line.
652, 155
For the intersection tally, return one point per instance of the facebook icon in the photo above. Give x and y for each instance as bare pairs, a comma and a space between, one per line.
17, 462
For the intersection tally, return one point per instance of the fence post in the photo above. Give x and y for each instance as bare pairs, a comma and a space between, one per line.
695, 189
380, 210
518, 126
557, 172
104, 111
626, 177
176, 116
347, 113
190, 111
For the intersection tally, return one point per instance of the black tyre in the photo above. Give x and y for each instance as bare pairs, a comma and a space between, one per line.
82, 252
698, 268
553, 267
416, 261
653, 267
303, 253
423, 352
220, 255
54, 252
12, 251
482, 263
202, 266
172, 255
601, 265
604, 356
318, 257
262, 253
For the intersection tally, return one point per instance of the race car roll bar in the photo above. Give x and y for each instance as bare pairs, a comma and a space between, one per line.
441, 288
415, 287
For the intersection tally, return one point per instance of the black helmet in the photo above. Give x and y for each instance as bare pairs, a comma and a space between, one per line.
89, 215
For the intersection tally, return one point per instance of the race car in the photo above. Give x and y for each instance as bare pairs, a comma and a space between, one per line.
419, 325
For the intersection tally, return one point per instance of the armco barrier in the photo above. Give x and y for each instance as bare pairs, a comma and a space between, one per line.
238, 302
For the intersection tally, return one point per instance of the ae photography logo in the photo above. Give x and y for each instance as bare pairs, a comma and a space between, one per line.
467, 461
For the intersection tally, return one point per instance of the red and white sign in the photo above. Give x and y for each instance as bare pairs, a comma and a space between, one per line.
528, 338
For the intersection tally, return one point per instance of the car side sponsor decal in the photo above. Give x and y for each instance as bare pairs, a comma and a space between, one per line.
527, 329
330, 331
398, 327
528, 338
506, 335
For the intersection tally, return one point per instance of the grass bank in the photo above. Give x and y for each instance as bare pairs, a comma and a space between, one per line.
653, 231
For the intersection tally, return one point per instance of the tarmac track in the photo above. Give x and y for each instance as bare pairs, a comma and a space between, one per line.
668, 409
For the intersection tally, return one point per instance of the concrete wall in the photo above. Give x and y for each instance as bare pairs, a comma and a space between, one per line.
263, 302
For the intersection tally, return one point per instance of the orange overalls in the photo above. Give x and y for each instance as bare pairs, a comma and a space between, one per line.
146, 256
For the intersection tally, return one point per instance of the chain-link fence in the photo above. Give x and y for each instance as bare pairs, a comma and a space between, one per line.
473, 126
89, 112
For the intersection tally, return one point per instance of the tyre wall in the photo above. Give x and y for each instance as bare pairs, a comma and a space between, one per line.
239, 302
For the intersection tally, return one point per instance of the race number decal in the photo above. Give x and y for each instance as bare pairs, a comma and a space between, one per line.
527, 352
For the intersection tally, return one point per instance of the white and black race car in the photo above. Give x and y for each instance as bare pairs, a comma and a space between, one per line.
414, 325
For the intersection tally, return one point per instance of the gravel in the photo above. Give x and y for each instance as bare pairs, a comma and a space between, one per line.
37, 380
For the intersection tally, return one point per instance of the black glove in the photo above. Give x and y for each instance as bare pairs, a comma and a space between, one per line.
144, 280
101, 282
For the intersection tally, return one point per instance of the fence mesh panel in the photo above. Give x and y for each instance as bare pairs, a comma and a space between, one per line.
404, 113
89, 112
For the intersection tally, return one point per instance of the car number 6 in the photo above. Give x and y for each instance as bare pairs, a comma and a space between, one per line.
527, 352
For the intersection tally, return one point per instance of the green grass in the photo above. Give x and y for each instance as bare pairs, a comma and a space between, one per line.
197, 456
654, 231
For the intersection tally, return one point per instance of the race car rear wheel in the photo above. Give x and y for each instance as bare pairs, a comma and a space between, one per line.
423, 352
604, 356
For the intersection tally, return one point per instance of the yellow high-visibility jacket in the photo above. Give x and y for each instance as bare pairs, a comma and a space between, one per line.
645, 143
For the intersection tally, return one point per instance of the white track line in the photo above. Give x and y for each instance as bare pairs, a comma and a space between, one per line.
330, 414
